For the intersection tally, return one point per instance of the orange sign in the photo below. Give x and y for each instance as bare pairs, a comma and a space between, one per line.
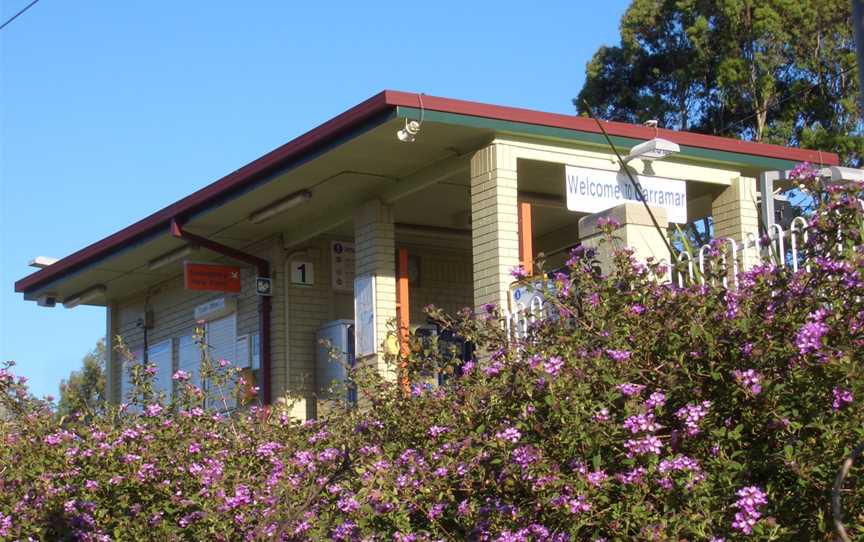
211, 278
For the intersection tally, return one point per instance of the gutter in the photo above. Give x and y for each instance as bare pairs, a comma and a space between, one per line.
264, 305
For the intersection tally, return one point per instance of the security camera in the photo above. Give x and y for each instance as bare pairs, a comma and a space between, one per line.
47, 301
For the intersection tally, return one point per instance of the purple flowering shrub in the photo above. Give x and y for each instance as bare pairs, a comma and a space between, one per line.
637, 410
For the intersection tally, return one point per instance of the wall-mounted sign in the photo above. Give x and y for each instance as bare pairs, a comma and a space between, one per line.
264, 285
215, 309
365, 334
595, 190
211, 278
302, 273
342, 262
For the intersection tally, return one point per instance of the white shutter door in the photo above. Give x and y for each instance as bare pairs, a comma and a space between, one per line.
160, 355
189, 359
222, 342
126, 380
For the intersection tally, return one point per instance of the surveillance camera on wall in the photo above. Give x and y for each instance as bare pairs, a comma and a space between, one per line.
47, 301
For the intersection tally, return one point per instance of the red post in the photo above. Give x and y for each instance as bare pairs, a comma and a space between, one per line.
526, 234
404, 315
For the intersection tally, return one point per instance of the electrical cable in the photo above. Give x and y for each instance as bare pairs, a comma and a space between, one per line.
21, 12
636, 186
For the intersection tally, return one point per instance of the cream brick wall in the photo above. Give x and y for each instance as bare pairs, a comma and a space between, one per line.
307, 308
494, 223
375, 254
445, 281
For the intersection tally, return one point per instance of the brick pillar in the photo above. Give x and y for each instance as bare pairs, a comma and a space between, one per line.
735, 211
494, 223
637, 231
376, 256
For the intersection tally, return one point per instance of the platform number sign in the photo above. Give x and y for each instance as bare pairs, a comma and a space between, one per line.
302, 273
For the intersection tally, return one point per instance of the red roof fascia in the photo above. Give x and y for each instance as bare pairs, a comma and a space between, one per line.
585, 124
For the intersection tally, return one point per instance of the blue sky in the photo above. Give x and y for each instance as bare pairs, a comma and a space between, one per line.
111, 110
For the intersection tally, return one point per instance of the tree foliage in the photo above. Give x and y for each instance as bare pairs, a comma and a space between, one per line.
83, 393
778, 71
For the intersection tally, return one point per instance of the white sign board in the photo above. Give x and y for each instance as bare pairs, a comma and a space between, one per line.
214, 309
302, 272
342, 260
595, 190
365, 334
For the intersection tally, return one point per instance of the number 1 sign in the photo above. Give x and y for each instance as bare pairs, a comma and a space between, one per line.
302, 273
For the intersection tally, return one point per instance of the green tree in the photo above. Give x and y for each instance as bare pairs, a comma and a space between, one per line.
84, 391
778, 71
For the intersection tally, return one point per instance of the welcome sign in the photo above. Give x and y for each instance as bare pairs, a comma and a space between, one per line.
595, 190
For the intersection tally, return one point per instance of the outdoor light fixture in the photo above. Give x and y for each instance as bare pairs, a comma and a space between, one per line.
91, 294
280, 206
653, 149
841, 175
171, 257
412, 127
409, 133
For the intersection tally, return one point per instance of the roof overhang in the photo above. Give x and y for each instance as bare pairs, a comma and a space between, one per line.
366, 133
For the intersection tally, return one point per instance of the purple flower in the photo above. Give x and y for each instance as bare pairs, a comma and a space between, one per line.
436, 431
510, 434
750, 380
618, 355
631, 477
636, 309
181, 376
578, 505
641, 423
602, 415
842, 397
435, 511
644, 446
597, 478
809, 337
553, 365
153, 410
692, 415
242, 497
524, 456
608, 222
5, 525
519, 273
630, 389
750, 501
348, 504
656, 399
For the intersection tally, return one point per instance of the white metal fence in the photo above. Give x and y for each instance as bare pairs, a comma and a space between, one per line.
726, 258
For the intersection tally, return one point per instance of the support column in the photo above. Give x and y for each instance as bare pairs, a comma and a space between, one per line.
494, 223
374, 243
735, 211
637, 231
736, 215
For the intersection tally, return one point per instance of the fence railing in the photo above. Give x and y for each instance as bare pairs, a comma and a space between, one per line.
725, 258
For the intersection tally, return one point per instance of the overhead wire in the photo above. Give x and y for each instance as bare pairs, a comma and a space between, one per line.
20, 12
636, 186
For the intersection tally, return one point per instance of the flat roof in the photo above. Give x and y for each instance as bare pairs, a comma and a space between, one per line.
373, 111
